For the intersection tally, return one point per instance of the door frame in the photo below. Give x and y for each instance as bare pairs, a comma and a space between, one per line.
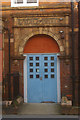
25, 77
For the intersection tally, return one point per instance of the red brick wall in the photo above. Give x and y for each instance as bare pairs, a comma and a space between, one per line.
0, 57
6, 65
65, 78
65, 70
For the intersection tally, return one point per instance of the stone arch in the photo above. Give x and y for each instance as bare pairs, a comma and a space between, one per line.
41, 44
40, 31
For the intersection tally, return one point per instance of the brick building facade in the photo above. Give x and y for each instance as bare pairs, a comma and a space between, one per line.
29, 24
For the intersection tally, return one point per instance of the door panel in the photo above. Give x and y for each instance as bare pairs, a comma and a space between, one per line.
34, 82
49, 78
42, 78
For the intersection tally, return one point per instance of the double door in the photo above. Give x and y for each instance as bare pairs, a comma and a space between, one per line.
41, 78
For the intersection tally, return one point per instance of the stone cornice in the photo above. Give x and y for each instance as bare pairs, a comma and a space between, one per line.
43, 14
43, 6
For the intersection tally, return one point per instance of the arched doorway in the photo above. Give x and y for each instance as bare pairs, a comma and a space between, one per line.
41, 70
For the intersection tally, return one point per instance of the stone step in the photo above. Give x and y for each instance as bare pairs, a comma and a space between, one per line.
39, 108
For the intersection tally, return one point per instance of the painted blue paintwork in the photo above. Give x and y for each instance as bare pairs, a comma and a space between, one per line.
42, 89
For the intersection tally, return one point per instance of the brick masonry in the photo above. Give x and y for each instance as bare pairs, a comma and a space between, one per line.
0, 57
21, 32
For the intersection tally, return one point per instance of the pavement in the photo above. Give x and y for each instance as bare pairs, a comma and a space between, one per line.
40, 109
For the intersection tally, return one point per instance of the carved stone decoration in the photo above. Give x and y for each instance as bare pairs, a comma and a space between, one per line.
39, 21
27, 27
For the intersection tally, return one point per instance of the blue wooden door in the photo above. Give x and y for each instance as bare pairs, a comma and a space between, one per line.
49, 70
42, 78
34, 84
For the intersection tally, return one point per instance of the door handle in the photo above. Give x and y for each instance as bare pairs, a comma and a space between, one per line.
40, 78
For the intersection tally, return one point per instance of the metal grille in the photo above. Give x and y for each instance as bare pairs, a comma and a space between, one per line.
31, 1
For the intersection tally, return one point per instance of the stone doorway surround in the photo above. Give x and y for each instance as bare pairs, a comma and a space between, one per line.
24, 31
